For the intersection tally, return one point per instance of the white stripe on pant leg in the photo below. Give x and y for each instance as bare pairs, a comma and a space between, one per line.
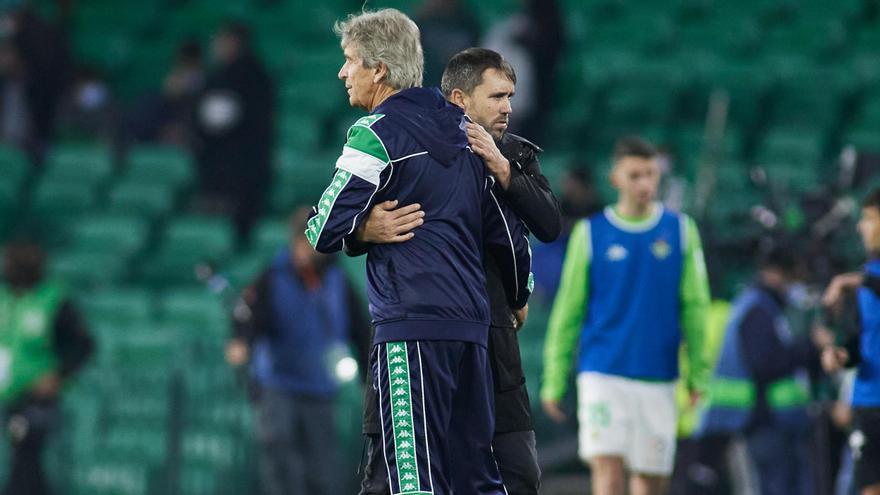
425, 417
382, 415
405, 444
492, 449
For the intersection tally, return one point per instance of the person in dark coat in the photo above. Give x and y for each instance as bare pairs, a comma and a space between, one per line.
235, 128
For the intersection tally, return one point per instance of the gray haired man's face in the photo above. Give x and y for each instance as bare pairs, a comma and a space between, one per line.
360, 81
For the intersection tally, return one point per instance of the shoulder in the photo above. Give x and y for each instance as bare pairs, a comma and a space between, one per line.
518, 149
366, 147
522, 143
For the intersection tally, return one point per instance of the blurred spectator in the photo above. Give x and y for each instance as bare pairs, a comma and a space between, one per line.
88, 111
863, 351
46, 70
43, 342
532, 41
760, 387
15, 114
235, 116
165, 115
580, 198
294, 322
447, 27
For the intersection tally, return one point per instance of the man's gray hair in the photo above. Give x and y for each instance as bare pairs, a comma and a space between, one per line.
387, 36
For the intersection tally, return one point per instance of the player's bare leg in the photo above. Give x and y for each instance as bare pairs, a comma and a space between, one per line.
608, 475
646, 484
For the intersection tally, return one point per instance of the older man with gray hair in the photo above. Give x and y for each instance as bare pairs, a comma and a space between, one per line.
427, 296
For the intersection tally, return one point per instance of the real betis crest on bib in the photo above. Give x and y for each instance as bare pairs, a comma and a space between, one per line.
660, 248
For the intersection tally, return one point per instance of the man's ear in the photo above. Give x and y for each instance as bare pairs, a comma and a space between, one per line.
613, 176
381, 72
457, 97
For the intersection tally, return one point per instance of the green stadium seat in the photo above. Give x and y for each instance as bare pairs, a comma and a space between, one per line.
243, 270
187, 242
869, 111
91, 164
162, 165
199, 479
119, 306
63, 200
791, 146
148, 200
356, 270
300, 179
14, 164
690, 147
321, 63
111, 477
864, 139
211, 383
724, 35
639, 106
794, 177
271, 235
108, 233
135, 442
300, 131
208, 236
85, 269
196, 309
151, 351
214, 447
107, 49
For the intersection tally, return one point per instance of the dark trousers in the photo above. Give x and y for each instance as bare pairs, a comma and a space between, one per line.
781, 458
435, 402
29, 425
517, 458
515, 454
298, 444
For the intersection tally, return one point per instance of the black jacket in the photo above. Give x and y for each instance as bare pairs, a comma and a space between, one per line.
530, 197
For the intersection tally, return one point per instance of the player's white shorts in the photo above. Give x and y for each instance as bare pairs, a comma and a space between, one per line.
633, 419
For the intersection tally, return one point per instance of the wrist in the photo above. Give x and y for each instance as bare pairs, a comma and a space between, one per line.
360, 234
503, 175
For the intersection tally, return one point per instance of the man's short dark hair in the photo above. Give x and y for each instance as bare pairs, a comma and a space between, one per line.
464, 71
872, 200
634, 146
24, 263
779, 255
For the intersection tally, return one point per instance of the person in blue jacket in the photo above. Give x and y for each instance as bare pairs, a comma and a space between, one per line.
293, 323
427, 296
760, 386
863, 352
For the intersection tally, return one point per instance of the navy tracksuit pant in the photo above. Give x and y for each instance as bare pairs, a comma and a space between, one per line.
436, 407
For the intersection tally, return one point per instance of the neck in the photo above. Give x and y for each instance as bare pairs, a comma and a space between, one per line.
381, 94
629, 209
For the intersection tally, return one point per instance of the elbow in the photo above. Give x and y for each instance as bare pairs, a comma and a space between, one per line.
549, 231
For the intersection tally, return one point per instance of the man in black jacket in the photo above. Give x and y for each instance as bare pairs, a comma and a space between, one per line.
482, 83
234, 128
